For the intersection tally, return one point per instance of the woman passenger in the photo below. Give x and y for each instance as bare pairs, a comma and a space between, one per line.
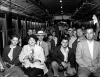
10, 63
32, 58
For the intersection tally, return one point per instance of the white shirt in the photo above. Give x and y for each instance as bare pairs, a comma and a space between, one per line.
65, 53
10, 54
39, 43
55, 40
90, 44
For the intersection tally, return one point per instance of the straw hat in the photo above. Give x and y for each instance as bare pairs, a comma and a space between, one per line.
40, 33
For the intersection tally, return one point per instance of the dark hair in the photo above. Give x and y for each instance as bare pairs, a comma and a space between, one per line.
49, 35
64, 38
90, 26
17, 36
98, 39
79, 28
29, 29
11, 37
32, 36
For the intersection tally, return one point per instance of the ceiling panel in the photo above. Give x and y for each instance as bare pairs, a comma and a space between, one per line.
69, 6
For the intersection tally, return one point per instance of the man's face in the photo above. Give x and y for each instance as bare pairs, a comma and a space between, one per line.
40, 37
89, 34
14, 41
64, 43
34, 31
79, 32
50, 37
29, 32
70, 30
54, 34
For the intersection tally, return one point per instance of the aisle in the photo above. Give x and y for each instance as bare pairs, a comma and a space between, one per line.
50, 74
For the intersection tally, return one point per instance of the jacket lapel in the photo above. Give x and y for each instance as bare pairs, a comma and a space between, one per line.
95, 51
15, 52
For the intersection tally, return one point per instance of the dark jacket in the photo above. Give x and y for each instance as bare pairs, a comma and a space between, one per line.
59, 57
16, 53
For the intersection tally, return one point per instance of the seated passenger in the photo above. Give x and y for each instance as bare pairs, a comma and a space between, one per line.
32, 58
60, 58
43, 44
11, 56
50, 37
11, 52
88, 55
55, 38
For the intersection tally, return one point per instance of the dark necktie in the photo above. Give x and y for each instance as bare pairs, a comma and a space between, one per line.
39, 43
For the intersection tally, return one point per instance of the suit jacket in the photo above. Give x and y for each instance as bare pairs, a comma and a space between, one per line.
44, 45
83, 56
52, 45
59, 57
16, 53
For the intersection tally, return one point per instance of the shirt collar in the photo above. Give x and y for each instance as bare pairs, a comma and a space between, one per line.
90, 42
12, 46
65, 48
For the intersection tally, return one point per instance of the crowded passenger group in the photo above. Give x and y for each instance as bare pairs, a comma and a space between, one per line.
70, 50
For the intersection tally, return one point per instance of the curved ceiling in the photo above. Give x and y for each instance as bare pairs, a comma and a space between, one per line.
44, 9
68, 6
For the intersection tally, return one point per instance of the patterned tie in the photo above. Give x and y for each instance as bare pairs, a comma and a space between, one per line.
32, 57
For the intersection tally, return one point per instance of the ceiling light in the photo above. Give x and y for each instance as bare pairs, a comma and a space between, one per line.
61, 6
60, 0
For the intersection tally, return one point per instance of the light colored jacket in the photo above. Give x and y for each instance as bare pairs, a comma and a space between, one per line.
44, 45
38, 55
83, 56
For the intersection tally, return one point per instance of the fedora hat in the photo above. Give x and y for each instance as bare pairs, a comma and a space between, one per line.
40, 33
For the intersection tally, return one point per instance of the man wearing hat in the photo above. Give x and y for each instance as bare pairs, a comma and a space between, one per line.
42, 43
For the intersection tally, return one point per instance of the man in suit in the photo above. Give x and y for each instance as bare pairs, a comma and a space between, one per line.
61, 57
80, 37
42, 43
52, 42
88, 55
